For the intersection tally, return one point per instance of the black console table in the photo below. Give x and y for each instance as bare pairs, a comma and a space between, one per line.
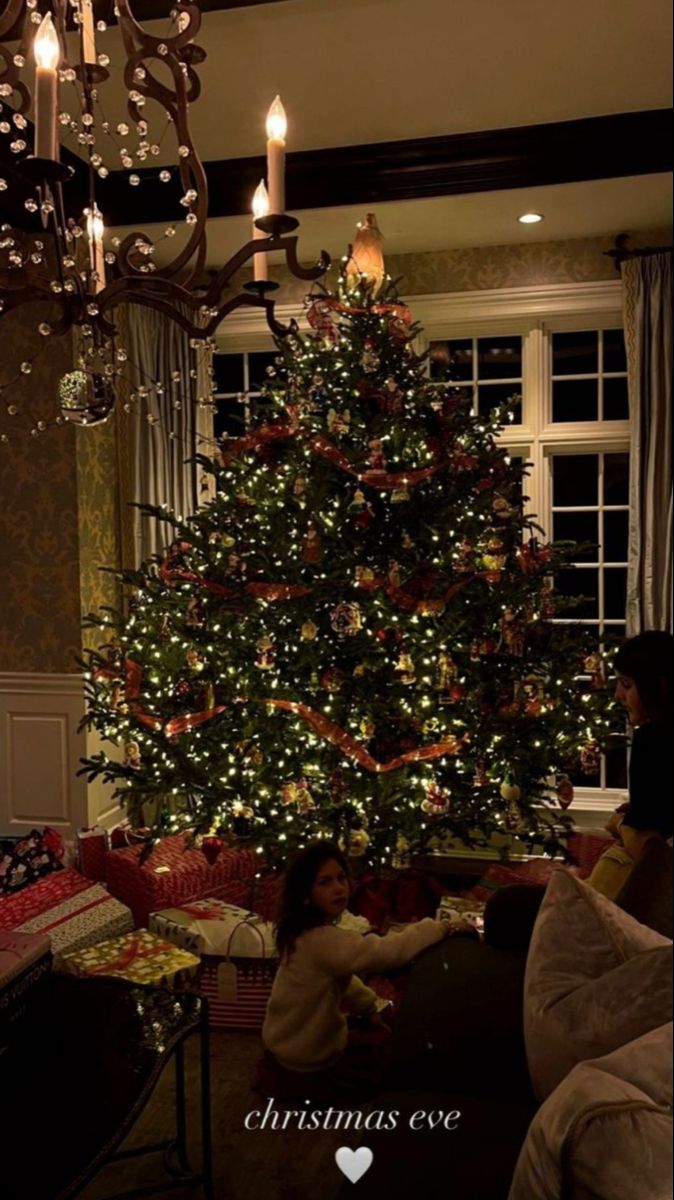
78, 1073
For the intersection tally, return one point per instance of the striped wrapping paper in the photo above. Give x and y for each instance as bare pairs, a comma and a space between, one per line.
242, 1003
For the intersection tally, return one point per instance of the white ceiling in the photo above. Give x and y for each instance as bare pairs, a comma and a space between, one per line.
361, 71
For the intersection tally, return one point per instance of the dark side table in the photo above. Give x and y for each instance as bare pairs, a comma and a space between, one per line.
78, 1073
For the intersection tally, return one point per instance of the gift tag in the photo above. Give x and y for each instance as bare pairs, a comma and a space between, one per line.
227, 983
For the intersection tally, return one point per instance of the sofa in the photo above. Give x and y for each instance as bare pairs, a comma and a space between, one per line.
470, 1039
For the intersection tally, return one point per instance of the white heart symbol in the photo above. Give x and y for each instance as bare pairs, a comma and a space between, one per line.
354, 1163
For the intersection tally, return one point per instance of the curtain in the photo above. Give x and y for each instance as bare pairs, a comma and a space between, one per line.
161, 470
647, 300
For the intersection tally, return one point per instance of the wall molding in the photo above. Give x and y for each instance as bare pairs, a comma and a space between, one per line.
511, 309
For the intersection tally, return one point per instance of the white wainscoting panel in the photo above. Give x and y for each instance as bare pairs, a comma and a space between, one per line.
40, 752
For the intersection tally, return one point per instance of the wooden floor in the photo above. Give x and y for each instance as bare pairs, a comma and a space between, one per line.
266, 1165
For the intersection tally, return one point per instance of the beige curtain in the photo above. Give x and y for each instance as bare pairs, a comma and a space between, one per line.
161, 471
647, 292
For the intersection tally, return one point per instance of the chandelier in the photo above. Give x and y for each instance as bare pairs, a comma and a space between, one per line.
59, 251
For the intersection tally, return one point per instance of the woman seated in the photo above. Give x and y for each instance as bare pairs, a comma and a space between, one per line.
644, 688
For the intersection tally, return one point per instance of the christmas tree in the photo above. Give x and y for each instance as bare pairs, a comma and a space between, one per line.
355, 637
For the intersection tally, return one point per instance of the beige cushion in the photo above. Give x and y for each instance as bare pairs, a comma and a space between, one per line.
596, 979
606, 1132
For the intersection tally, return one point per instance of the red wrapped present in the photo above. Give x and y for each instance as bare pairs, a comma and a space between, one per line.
537, 871
25, 959
92, 853
25, 860
265, 895
173, 875
36, 899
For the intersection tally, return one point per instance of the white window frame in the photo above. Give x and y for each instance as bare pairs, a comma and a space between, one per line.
534, 313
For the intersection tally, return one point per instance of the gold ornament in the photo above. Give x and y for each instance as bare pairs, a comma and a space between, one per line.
367, 256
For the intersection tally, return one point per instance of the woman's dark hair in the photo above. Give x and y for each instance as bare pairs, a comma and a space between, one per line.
296, 913
647, 659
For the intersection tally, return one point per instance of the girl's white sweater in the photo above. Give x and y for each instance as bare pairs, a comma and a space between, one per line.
305, 1028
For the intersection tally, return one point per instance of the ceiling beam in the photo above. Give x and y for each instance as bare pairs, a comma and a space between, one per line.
148, 10
530, 156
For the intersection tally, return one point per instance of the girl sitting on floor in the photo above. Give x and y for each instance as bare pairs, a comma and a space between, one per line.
310, 1050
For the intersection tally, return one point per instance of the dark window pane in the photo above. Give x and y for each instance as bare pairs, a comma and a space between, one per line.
452, 360
575, 480
228, 372
577, 583
615, 592
499, 393
580, 780
229, 417
578, 527
615, 358
616, 478
616, 767
616, 403
575, 400
615, 536
257, 369
575, 353
499, 358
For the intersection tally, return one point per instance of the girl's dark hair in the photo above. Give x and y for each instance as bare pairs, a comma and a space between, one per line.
296, 913
647, 659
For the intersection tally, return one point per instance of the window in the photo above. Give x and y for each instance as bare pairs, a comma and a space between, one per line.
487, 369
589, 376
238, 379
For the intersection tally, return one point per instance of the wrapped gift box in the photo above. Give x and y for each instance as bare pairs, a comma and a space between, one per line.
24, 860
92, 853
172, 875
462, 909
88, 917
238, 962
25, 959
139, 957
36, 899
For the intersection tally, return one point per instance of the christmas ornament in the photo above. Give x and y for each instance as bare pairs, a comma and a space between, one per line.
182, 691
370, 360
211, 848
337, 788
339, 423
437, 802
494, 559
565, 791
86, 398
365, 576
401, 494
463, 557
195, 613
194, 660
366, 258
533, 688
132, 756
358, 504
367, 728
309, 631
266, 653
510, 791
312, 549
447, 670
332, 680
406, 541
394, 576
594, 667
392, 401
320, 315
346, 620
512, 634
590, 758
405, 668
480, 778
357, 843
501, 509
299, 486
377, 457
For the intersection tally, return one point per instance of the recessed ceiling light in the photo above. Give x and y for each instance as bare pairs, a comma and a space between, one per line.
530, 218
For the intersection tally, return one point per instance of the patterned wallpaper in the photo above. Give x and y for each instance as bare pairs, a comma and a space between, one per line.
39, 565
484, 267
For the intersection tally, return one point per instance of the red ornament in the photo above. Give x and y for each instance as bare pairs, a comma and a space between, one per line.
312, 550
211, 848
382, 635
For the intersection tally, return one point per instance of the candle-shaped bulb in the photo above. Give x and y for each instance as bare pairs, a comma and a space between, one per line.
95, 225
260, 209
277, 121
261, 201
47, 48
